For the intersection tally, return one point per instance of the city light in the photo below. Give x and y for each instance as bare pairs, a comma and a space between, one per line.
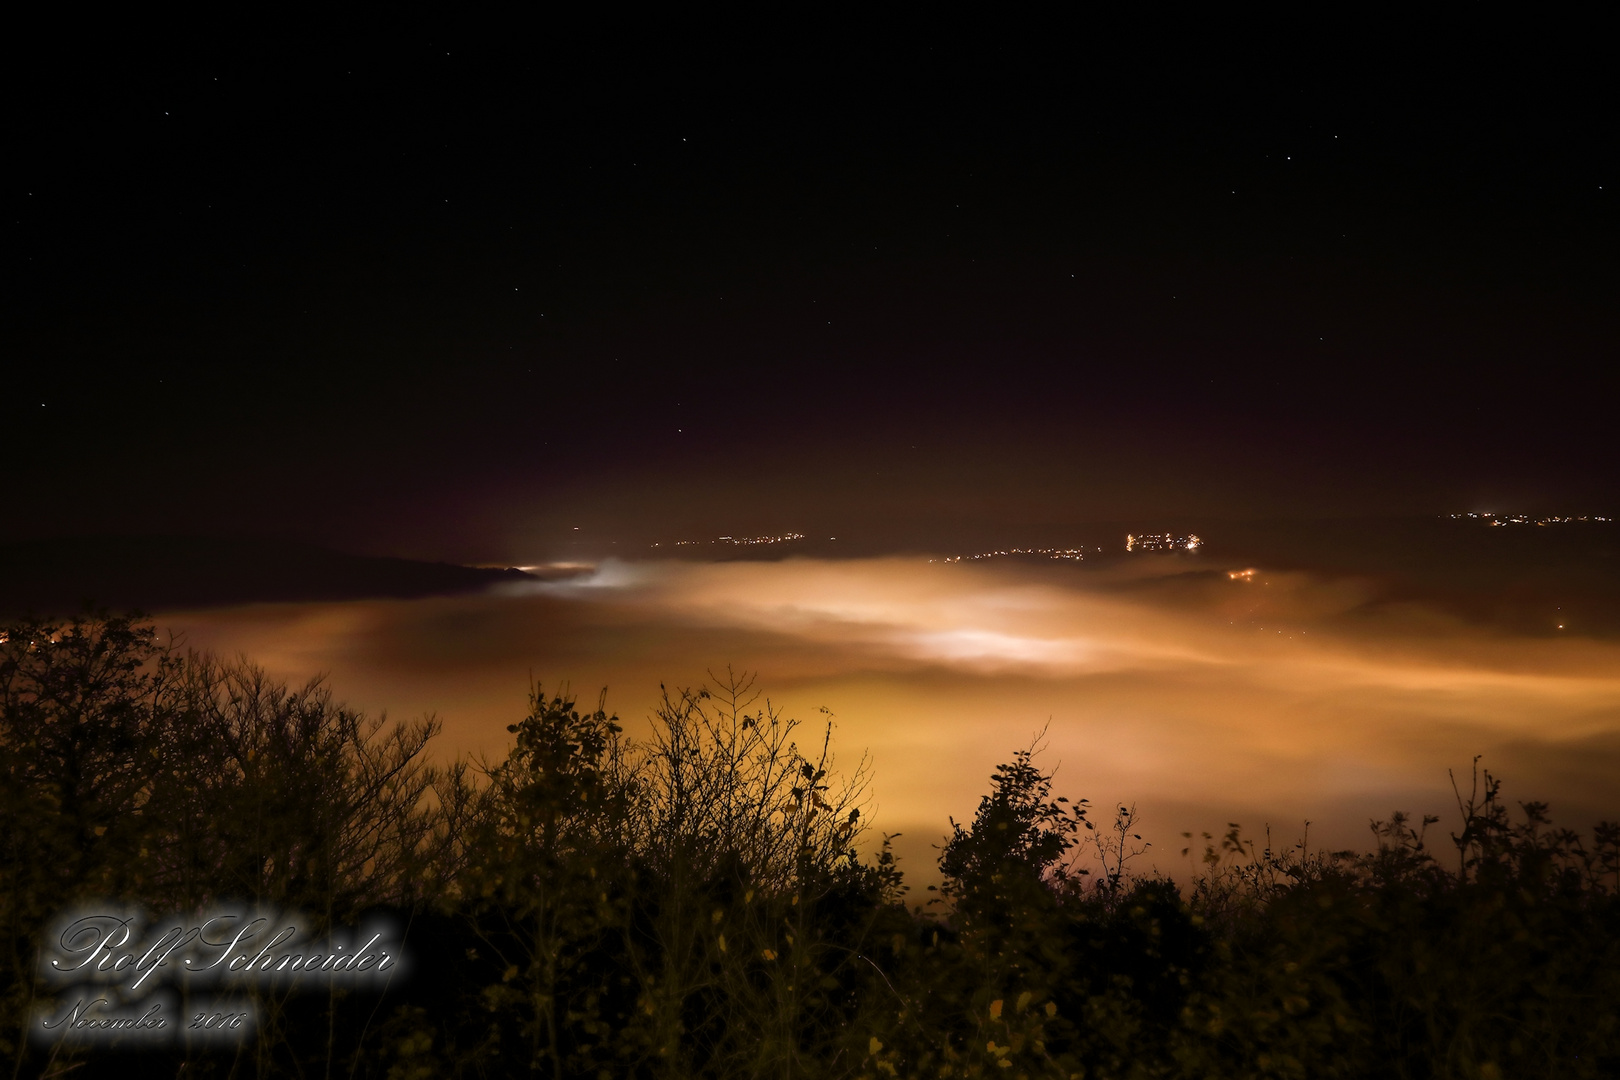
740, 541
1071, 554
1162, 542
1490, 518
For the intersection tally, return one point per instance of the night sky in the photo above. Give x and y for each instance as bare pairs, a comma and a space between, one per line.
457, 295
549, 296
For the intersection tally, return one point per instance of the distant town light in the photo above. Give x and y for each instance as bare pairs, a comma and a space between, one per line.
744, 541
1163, 542
1069, 554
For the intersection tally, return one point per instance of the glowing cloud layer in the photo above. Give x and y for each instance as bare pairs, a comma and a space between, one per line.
1203, 696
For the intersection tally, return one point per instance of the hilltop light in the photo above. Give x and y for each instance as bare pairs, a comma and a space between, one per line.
1162, 542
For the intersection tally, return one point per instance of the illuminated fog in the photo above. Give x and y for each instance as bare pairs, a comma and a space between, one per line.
1203, 697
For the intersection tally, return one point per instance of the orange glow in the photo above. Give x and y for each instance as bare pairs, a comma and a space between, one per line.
1201, 702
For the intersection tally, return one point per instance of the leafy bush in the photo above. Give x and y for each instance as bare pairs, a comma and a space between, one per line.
693, 904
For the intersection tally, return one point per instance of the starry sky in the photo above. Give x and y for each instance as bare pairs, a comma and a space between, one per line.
470, 295
519, 295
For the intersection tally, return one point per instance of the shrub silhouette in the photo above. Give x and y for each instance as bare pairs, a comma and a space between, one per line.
175, 782
693, 904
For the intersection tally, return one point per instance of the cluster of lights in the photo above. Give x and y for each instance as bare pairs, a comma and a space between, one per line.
740, 541
1072, 554
1525, 519
750, 541
1241, 575
1162, 542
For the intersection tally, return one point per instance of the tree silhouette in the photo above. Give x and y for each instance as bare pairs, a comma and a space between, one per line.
693, 904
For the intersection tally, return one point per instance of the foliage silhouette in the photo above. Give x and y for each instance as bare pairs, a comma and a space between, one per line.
694, 904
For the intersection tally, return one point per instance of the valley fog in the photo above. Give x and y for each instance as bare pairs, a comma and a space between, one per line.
1200, 692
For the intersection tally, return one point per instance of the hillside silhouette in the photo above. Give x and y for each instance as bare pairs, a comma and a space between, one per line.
155, 573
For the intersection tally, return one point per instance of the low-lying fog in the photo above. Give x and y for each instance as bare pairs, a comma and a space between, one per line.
1203, 695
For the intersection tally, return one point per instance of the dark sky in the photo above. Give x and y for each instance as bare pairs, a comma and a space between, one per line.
454, 294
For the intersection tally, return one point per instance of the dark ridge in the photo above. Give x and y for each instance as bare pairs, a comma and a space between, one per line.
60, 577
1552, 579
1528, 578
